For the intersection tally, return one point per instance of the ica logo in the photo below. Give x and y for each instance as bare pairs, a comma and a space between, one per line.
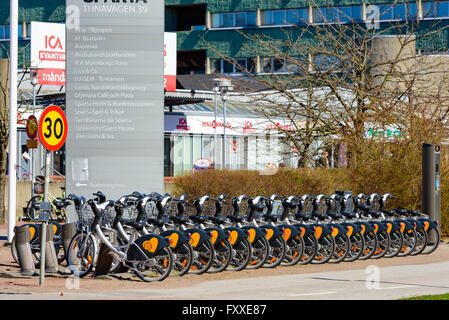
52, 42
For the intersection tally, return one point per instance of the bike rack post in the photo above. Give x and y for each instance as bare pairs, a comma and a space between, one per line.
50, 258
105, 257
68, 231
23, 247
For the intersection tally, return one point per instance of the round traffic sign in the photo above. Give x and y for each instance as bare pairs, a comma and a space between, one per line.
52, 128
32, 127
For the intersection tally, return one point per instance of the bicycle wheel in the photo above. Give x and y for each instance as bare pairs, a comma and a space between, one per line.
183, 259
433, 240
223, 255
397, 239
310, 248
357, 245
294, 252
156, 268
276, 255
421, 241
259, 256
325, 250
31, 208
241, 255
409, 244
203, 258
383, 244
342, 247
82, 254
370, 245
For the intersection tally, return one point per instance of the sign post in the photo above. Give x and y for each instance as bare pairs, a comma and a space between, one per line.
115, 96
31, 129
52, 134
48, 52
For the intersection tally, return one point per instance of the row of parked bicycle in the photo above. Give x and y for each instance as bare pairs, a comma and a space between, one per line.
156, 235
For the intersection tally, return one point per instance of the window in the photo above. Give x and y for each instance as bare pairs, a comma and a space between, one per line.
285, 17
4, 32
297, 16
234, 19
217, 21
385, 11
238, 66
399, 11
404, 11
319, 15
251, 19
436, 9
279, 17
240, 19
228, 20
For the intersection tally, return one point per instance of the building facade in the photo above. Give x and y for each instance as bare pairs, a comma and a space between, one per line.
210, 32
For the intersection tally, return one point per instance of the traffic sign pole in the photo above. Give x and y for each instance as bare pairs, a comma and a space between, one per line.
52, 134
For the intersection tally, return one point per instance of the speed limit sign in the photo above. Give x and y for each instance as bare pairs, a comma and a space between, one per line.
52, 128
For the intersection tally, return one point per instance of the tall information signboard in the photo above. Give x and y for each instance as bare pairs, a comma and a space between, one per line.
114, 96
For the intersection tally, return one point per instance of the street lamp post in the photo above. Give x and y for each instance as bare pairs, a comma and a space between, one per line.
34, 82
225, 87
216, 90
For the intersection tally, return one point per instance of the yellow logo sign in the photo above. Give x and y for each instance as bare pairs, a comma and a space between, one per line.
150, 245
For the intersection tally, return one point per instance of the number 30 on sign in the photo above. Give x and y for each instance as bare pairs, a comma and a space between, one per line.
52, 128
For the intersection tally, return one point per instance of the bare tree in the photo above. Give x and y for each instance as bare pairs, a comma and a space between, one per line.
340, 81
4, 132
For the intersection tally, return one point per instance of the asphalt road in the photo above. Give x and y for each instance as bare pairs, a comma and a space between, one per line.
370, 283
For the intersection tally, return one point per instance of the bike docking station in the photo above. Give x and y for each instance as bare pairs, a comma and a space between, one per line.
431, 181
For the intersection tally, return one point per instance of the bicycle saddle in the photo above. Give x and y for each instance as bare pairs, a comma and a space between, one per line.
401, 211
413, 212
303, 216
349, 215
180, 220
271, 217
136, 225
158, 222
389, 213
236, 218
199, 219
320, 216
375, 214
218, 219
335, 215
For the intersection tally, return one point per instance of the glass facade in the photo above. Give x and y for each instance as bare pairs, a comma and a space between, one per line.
252, 152
339, 14
234, 19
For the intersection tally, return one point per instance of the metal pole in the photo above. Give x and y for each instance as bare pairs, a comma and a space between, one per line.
32, 149
224, 134
44, 224
215, 130
12, 157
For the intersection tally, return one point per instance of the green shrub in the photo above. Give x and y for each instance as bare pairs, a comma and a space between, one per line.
402, 181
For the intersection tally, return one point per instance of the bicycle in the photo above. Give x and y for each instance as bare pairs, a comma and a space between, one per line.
180, 242
274, 235
292, 235
200, 240
251, 247
148, 256
58, 207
